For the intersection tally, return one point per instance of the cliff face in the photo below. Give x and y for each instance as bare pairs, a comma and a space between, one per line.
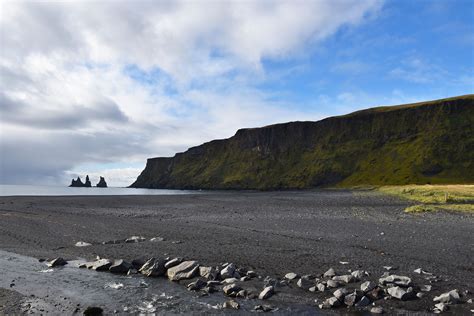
430, 142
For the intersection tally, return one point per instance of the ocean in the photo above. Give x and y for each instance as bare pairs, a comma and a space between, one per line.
35, 190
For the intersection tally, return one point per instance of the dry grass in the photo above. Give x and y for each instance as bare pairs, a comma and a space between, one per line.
458, 198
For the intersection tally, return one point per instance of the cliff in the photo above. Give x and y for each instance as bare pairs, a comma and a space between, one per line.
428, 142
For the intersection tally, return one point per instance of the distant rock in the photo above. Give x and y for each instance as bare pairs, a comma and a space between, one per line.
79, 184
102, 183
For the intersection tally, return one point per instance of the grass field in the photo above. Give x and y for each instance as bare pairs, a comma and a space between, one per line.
459, 198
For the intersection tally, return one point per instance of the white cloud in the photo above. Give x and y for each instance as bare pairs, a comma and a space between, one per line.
67, 98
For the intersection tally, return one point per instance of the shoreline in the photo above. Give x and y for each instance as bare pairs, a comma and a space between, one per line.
271, 232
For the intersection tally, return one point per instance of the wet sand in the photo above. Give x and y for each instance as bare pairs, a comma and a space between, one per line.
271, 232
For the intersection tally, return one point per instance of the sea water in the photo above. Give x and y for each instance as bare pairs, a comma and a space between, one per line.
33, 190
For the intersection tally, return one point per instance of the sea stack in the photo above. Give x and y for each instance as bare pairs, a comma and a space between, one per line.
88, 183
77, 182
102, 183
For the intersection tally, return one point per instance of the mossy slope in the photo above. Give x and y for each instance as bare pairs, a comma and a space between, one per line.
430, 142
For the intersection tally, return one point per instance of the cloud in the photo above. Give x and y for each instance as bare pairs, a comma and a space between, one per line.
103, 82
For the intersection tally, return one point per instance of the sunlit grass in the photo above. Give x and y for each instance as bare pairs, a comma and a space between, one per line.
459, 198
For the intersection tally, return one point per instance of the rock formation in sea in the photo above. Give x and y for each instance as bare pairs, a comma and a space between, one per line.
427, 142
102, 183
87, 184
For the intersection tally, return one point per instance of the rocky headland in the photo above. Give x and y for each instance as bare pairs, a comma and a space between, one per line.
428, 142
87, 184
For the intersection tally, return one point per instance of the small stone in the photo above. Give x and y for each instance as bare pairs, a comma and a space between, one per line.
57, 262
312, 289
153, 268
82, 244
228, 271
231, 304
132, 271
358, 274
251, 274
291, 276
245, 278
332, 284
399, 293
442, 307
375, 294
230, 280
340, 293
304, 283
420, 294
469, 301
135, 239
209, 273
241, 293
451, 297
332, 302
231, 289
350, 299
426, 288
321, 287
266, 293
348, 278
389, 268
367, 286
329, 273
364, 301
197, 285
157, 239
263, 308
377, 310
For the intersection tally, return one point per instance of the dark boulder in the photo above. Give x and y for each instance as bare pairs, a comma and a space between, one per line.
102, 183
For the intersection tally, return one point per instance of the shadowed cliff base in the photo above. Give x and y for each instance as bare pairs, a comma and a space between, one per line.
421, 143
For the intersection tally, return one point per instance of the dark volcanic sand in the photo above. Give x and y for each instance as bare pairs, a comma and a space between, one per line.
270, 232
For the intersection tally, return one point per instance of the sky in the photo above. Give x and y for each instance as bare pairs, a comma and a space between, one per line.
97, 87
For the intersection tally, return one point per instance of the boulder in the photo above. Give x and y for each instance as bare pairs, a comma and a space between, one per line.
231, 304
242, 294
358, 274
209, 273
252, 274
82, 244
332, 284
332, 302
350, 299
367, 286
173, 262
57, 262
348, 278
231, 289
399, 293
263, 308
93, 311
340, 293
102, 183
153, 268
266, 293
451, 297
321, 287
184, 270
228, 271
100, 265
197, 285
120, 266
230, 280
364, 301
329, 273
396, 279
442, 307
157, 239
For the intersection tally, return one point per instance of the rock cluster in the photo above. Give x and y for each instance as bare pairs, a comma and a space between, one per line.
77, 183
351, 289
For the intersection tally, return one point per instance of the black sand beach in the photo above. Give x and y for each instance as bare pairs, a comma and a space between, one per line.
272, 233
